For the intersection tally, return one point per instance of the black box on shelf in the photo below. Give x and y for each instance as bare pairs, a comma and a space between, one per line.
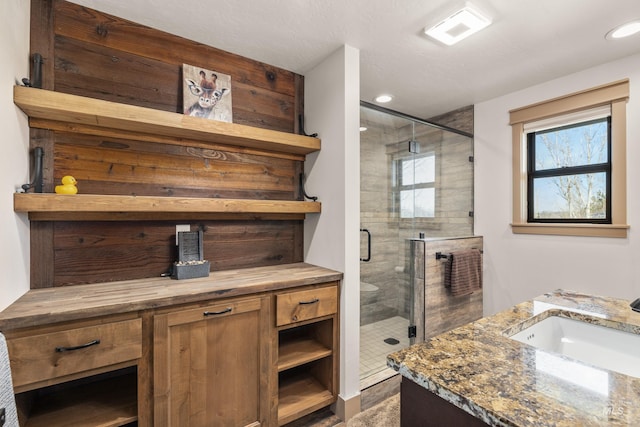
190, 262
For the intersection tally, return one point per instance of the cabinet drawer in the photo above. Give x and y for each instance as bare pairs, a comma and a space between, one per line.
50, 355
297, 306
214, 311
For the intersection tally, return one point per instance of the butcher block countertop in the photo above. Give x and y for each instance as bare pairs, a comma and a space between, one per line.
50, 305
503, 382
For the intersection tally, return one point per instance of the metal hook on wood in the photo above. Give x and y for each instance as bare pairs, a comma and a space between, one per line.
301, 129
302, 190
37, 184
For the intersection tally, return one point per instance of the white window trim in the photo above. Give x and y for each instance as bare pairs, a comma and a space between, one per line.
614, 95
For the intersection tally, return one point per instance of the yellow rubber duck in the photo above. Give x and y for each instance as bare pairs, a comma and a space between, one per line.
68, 185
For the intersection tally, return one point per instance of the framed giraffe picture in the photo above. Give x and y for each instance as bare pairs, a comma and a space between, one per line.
206, 94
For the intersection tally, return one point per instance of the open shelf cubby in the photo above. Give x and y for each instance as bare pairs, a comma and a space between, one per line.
306, 359
106, 400
304, 389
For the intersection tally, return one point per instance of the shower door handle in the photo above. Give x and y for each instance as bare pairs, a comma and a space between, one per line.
368, 258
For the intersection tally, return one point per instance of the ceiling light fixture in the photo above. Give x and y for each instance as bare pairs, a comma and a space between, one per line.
363, 128
626, 30
382, 99
458, 26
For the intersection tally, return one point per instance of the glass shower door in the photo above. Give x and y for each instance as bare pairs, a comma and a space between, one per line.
386, 294
416, 179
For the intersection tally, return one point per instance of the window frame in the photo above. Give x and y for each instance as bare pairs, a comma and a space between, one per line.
398, 187
533, 174
615, 95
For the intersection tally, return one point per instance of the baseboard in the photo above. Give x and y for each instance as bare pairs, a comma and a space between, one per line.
346, 409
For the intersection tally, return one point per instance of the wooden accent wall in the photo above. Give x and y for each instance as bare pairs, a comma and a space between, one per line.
93, 54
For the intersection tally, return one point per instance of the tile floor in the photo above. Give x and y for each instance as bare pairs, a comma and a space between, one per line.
373, 349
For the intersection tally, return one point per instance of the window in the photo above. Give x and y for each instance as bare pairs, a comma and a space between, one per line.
569, 173
569, 161
415, 186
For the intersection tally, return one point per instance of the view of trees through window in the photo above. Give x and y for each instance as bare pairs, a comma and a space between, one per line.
569, 172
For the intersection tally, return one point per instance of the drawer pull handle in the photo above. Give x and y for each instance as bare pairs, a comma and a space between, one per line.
215, 313
313, 301
78, 347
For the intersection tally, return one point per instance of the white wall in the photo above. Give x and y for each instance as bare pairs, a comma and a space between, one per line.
332, 108
519, 267
14, 161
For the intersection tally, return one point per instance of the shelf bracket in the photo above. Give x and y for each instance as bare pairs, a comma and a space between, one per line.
301, 128
36, 75
38, 154
302, 190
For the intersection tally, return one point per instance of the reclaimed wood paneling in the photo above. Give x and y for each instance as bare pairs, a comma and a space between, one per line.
41, 234
42, 254
93, 252
246, 244
87, 252
93, 54
82, 23
98, 72
41, 40
113, 166
126, 52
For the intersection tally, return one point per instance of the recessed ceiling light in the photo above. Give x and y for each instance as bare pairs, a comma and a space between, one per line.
458, 26
383, 98
626, 30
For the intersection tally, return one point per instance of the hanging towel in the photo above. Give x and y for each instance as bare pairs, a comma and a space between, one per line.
463, 272
7, 399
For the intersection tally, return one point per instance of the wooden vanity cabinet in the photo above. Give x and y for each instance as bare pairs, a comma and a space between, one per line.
247, 347
216, 364
211, 364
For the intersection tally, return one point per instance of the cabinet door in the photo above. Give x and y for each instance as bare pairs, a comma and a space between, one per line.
211, 365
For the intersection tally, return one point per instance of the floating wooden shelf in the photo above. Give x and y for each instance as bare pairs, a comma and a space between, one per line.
80, 110
83, 207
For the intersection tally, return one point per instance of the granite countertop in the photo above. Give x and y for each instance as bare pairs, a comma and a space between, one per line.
506, 383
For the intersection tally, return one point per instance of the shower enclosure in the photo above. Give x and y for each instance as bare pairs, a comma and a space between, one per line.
415, 178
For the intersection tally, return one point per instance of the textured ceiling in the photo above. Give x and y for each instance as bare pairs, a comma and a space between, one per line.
529, 42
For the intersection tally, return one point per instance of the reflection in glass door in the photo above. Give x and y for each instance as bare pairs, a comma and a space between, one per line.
386, 185
414, 178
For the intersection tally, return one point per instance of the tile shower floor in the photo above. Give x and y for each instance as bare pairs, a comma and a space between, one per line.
373, 348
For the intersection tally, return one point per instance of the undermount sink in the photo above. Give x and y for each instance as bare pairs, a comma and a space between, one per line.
597, 345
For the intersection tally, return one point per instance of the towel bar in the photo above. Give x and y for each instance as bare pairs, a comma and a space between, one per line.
440, 255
